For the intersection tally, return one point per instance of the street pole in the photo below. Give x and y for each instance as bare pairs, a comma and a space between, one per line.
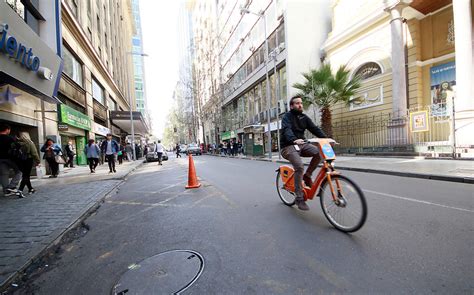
268, 87
277, 93
260, 15
134, 156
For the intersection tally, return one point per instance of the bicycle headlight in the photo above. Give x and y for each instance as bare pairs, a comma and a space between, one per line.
333, 164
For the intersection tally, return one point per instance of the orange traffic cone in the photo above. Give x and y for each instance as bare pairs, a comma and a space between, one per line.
192, 178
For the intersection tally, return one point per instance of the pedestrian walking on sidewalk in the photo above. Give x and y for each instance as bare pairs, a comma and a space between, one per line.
178, 151
235, 149
129, 151
29, 160
110, 148
221, 148
229, 148
92, 152
101, 155
120, 154
69, 154
159, 151
52, 152
7, 163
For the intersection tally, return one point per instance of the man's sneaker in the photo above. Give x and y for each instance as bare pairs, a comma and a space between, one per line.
115, 171
11, 190
31, 191
302, 205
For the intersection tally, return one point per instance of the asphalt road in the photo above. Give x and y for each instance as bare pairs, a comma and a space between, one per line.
418, 238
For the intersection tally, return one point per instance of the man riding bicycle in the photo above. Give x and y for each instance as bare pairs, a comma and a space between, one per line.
292, 142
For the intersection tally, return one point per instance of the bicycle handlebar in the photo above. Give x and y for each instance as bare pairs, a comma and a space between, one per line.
318, 140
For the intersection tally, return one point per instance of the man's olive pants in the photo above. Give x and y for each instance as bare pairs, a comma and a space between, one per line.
291, 154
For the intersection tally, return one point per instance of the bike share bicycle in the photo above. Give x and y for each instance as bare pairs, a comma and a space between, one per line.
342, 201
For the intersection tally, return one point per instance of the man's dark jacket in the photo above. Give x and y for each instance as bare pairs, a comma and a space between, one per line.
293, 126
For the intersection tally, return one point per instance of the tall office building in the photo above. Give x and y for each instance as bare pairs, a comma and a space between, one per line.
138, 62
184, 94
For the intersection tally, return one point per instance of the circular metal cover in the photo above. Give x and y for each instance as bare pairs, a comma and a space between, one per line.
169, 272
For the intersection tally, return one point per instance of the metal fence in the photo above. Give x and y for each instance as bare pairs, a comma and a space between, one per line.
430, 131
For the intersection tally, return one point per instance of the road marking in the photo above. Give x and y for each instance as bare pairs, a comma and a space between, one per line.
418, 201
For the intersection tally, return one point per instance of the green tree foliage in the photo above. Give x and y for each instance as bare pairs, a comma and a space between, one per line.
324, 89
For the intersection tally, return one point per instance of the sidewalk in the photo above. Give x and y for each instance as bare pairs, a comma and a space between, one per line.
31, 225
447, 170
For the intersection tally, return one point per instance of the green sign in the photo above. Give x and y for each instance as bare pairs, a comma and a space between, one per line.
228, 135
80, 145
225, 135
74, 118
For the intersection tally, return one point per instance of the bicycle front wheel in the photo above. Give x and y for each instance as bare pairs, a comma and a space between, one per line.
287, 197
348, 211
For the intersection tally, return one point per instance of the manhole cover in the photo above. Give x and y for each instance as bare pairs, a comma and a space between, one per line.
169, 272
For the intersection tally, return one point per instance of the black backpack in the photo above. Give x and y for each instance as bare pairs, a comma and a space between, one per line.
18, 151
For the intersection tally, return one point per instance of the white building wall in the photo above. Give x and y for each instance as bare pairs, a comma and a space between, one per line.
307, 24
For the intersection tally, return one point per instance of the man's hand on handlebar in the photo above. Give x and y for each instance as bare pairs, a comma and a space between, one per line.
299, 141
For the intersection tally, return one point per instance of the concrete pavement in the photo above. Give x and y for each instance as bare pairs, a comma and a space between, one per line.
416, 239
32, 224
419, 167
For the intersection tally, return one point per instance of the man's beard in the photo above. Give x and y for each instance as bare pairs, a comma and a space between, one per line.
297, 110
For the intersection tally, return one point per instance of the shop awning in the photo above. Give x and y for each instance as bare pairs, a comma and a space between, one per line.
122, 120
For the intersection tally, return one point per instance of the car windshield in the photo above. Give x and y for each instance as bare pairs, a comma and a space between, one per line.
193, 146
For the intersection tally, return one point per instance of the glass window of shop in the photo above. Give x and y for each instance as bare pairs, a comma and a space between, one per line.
72, 67
97, 91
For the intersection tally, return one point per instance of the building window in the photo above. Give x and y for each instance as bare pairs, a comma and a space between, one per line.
73, 6
98, 27
72, 67
368, 70
111, 104
97, 91
18, 7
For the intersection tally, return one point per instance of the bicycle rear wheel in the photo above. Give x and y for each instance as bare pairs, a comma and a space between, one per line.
348, 212
287, 197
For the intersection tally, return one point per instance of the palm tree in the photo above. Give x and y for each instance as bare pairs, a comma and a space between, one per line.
324, 89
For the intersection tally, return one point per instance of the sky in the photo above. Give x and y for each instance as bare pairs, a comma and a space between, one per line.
159, 29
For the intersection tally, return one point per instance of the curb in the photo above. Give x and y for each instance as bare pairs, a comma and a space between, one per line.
42, 249
458, 179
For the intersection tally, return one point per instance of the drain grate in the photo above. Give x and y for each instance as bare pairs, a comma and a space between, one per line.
170, 272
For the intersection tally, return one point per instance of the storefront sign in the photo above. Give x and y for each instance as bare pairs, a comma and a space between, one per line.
17, 51
99, 129
26, 61
74, 118
63, 127
228, 135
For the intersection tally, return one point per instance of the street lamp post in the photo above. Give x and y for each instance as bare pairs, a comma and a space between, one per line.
262, 15
134, 156
277, 93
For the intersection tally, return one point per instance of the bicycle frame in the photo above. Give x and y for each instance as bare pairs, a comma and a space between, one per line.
326, 172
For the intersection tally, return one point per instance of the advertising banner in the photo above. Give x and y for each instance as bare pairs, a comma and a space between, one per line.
443, 87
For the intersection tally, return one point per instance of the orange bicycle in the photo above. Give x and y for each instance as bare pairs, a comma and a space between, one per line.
342, 200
